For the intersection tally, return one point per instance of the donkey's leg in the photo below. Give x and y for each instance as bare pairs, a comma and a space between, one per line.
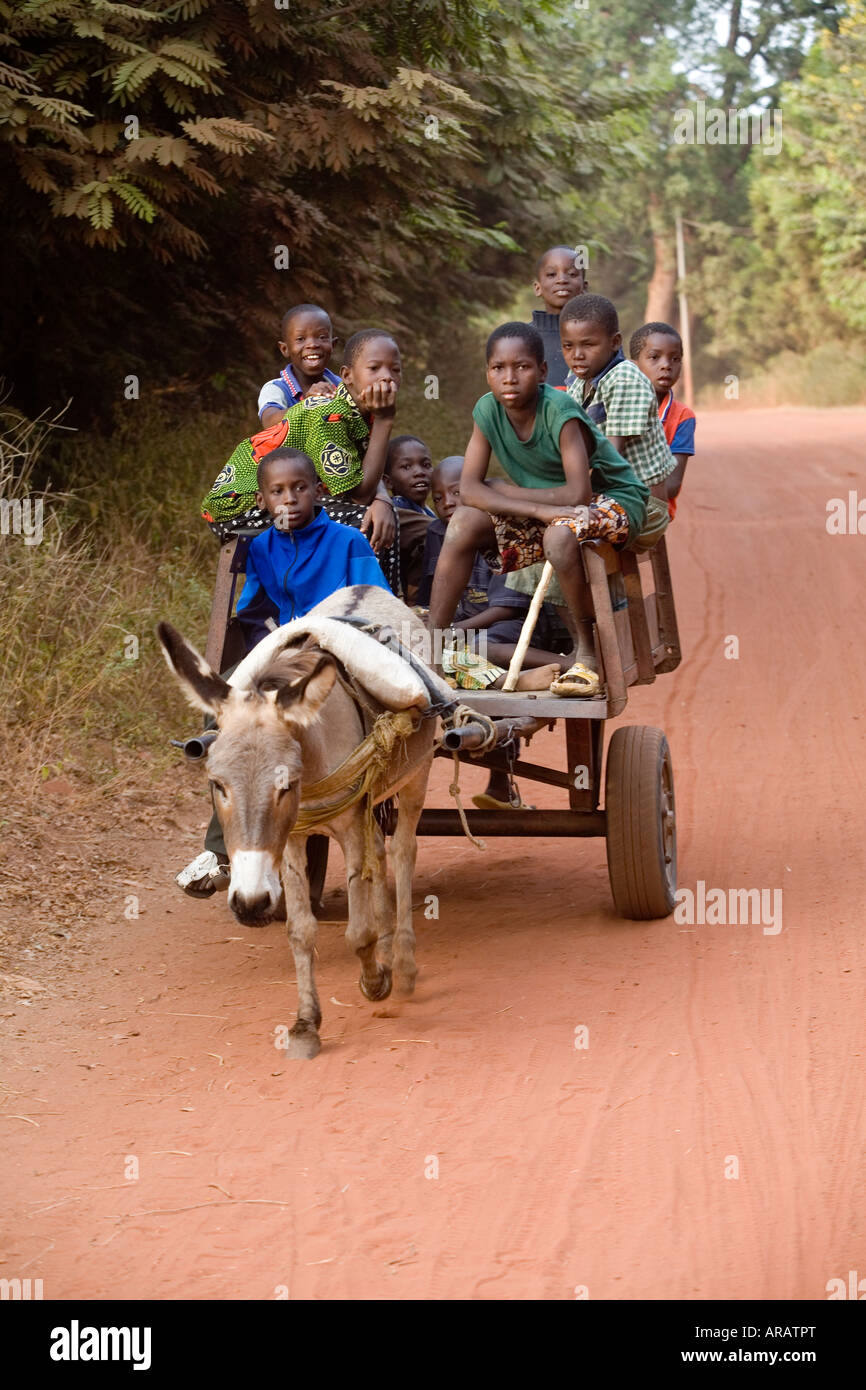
404, 851
304, 1043
363, 929
383, 903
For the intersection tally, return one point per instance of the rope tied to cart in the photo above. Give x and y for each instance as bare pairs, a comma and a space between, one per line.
464, 714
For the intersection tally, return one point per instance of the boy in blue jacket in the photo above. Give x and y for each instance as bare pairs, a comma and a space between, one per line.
298, 561
305, 556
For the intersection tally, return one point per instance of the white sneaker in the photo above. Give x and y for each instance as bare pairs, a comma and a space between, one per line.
205, 875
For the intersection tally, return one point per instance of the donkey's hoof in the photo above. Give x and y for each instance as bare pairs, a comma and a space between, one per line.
304, 1043
404, 983
379, 988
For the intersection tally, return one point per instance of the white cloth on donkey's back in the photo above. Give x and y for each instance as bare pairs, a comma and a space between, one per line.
379, 669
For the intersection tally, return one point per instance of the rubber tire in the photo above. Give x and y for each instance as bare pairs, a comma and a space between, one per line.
640, 808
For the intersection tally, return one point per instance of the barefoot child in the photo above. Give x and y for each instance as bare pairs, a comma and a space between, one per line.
658, 350
307, 344
559, 276
296, 563
566, 483
347, 438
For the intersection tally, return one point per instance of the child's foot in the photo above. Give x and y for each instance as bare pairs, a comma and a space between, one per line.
208, 873
536, 678
501, 794
579, 680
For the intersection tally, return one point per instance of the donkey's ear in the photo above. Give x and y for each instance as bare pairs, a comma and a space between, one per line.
202, 687
310, 680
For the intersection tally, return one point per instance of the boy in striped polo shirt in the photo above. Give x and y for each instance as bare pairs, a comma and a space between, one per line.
613, 391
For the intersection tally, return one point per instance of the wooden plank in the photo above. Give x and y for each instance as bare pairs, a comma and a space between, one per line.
667, 613
497, 761
221, 605
596, 573
537, 704
637, 618
583, 744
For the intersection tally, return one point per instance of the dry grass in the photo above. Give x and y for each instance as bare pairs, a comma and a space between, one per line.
120, 547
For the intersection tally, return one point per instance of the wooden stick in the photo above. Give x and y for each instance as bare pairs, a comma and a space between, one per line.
526, 631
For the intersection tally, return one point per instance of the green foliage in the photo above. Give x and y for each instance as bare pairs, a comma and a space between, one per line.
402, 152
794, 277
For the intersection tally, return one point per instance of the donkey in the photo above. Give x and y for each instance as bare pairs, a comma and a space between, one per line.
296, 724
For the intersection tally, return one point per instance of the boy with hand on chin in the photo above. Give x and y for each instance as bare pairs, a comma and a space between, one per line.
307, 344
347, 438
559, 276
658, 350
566, 483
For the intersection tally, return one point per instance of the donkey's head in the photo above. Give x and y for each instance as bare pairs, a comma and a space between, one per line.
254, 764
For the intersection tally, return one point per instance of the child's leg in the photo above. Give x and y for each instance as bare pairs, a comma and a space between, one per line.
605, 520
468, 530
562, 549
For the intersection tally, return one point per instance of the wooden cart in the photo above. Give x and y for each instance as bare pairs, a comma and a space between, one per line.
634, 644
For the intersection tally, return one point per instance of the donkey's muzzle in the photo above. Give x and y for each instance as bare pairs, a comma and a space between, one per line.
253, 912
255, 889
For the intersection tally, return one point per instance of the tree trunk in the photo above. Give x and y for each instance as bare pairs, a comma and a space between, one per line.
662, 289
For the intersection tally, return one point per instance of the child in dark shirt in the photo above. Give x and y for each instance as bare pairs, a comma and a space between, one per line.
559, 276
408, 469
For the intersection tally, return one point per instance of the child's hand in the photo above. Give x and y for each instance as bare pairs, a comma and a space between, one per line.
379, 520
380, 398
320, 388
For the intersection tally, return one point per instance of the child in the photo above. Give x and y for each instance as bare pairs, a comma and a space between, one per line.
613, 391
658, 350
408, 470
558, 277
307, 344
305, 556
347, 437
487, 603
566, 483
297, 562
445, 488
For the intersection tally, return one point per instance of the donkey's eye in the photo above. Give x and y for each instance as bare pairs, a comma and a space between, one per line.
218, 786
282, 791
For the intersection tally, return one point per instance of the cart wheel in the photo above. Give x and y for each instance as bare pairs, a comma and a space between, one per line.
641, 823
317, 867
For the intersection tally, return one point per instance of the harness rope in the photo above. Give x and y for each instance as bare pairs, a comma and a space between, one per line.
363, 771
370, 759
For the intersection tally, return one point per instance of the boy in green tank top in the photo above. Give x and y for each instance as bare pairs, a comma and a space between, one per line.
566, 484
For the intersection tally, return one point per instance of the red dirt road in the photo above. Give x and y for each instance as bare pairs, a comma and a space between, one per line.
158, 1145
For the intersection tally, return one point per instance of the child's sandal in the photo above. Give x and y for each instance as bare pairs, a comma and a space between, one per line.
578, 680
